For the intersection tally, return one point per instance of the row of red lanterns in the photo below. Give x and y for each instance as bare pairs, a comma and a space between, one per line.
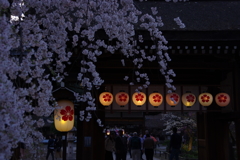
172, 99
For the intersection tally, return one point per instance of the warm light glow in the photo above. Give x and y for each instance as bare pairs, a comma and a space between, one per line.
155, 99
64, 116
106, 98
205, 99
63, 122
222, 99
188, 99
172, 99
139, 98
108, 132
122, 98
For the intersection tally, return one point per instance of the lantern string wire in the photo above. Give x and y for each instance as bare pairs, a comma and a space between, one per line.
63, 88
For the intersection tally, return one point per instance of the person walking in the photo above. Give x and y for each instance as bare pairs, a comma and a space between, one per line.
175, 145
110, 146
58, 146
51, 147
146, 132
148, 146
136, 145
128, 141
142, 139
121, 146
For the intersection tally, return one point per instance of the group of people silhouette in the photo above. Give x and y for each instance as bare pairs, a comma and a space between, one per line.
137, 145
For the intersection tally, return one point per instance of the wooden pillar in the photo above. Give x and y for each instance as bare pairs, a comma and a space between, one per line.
64, 142
79, 145
237, 129
217, 138
84, 137
213, 137
90, 136
98, 138
201, 128
98, 135
236, 108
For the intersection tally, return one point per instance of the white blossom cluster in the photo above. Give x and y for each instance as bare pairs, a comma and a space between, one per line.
172, 120
34, 54
99, 122
179, 22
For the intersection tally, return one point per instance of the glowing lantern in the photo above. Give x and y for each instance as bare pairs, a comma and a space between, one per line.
205, 99
108, 132
139, 98
122, 98
106, 98
172, 99
123, 131
64, 116
188, 99
222, 99
155, 99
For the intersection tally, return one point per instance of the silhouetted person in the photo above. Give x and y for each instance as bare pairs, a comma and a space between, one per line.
136, 146
175, 145
121, 146
129, 148
148, 145
51, 147
58, 148
110, 146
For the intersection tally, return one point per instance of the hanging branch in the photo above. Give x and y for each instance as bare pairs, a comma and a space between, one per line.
46, 30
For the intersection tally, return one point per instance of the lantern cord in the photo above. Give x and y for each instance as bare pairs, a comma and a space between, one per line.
63, 88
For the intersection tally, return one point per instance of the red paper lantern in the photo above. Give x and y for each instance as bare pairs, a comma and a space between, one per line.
205, 99
155, 99
188, 99
106, 98
122, 98
172, 99
222, 99
139, 98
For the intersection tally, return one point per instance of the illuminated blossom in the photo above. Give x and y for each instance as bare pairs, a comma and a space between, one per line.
37, 46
